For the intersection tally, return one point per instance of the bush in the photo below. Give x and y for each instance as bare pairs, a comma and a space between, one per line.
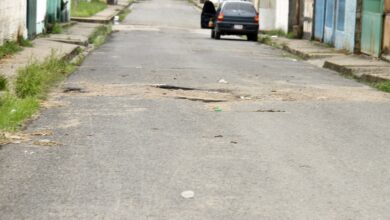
14, 111
9, 48
383, 86
36, 79
3, 83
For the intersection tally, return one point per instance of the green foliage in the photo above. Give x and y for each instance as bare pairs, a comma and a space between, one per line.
14, 111
56, 29
86, 9
124, 14
9, 48
36, 79
3, 83
100, 35
383, 86
25, 42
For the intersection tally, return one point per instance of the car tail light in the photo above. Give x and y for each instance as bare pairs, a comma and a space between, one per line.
257, 18
220, 16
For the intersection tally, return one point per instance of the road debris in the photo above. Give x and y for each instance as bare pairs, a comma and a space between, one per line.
46, 132
245, 98
269, 110
218, 136
233, 142
188, 194
223, 81
47, 143
217, 109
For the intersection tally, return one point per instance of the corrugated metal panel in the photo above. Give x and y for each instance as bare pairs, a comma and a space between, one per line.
319, 21
372, 24
386, 35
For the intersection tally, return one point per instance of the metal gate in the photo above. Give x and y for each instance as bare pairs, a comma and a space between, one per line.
53, 10
319, 21
31, 18
308, 19
329, 30
372, 23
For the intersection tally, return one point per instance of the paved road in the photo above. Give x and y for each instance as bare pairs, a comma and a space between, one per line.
280, 140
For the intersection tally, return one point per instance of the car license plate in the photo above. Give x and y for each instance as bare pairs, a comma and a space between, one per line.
238, 27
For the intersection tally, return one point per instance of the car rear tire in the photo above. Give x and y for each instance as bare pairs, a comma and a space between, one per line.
252, 37
212, 34
217, 35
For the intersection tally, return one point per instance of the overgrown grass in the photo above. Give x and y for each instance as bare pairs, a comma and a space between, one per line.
3, 83
124, 14
32, 85
56, 29
383, 86
25, 42
36, 79
100, 35
9, 48
13, 111
86, 9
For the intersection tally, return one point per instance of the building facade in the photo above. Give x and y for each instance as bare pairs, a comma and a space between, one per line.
273, 14
12, 20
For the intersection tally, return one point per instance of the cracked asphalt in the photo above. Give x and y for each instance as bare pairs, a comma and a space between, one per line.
282, 139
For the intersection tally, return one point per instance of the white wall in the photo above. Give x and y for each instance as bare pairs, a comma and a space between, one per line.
41, 14
281, 15
267, 14
12, 19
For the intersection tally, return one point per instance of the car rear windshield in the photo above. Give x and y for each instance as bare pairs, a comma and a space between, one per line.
239, 8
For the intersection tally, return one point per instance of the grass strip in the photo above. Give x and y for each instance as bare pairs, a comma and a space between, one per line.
9, 48
100, 35
13, 111
383, 86
86, 9
32, 85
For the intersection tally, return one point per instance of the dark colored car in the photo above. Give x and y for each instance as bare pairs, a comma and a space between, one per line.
231, 18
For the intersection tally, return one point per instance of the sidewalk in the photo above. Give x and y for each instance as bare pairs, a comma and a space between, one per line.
358, 66
65, 45
107, 15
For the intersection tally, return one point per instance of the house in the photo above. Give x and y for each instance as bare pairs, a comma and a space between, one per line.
12, 20
41, 13
335, 23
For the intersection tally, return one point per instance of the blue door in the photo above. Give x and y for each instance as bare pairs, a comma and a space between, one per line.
329, 30
319, 20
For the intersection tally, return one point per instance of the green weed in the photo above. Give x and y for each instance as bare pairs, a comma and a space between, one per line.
100, 35
124, 14
56, 29
3, 83
383, 86
86, 9
14, 111
9, 48
36, 79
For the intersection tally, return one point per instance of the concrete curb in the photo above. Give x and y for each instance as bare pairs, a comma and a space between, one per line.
355, 73
367, 73
103, 20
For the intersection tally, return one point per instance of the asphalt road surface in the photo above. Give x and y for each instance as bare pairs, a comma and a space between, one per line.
249, 131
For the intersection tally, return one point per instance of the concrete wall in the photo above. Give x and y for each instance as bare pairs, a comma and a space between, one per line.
281, 15
274, 14
12, 19
346, 39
